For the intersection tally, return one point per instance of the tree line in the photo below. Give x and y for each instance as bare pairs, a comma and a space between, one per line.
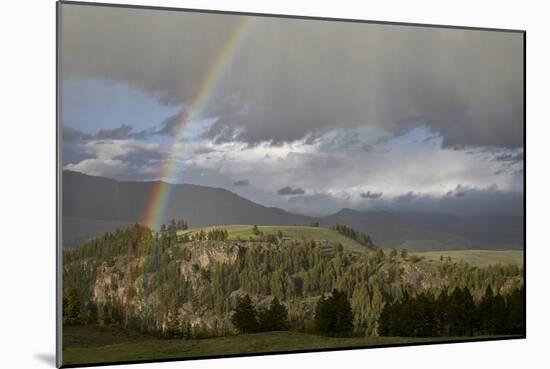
248, 319
454, 314
174, 225
333, 316
362, 238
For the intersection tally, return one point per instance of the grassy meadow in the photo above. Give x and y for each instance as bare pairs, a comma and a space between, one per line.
479, 258
244, 232
92, 344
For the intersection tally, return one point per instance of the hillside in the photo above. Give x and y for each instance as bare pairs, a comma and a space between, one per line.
159, 283
87, 199
425, 232
95, 205
244, 232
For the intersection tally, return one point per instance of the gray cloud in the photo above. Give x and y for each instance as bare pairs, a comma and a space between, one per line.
371, 195
510, 157
287, 191
116, 153
241, 182
141, 156
120, 159
459, 191
172, 125
293, 78
121, 133
203, 150
74, 135
74, 150
462, 201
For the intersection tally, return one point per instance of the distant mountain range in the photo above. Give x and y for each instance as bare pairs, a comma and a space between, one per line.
95, 205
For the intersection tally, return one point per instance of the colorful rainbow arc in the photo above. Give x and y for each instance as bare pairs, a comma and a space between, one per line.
161, 190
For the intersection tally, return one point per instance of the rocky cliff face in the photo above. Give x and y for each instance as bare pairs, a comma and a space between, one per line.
126, 283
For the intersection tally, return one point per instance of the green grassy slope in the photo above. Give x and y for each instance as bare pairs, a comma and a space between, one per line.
478, 258
289, 232
83, 344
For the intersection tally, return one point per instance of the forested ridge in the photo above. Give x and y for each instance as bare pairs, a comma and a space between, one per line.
174, 286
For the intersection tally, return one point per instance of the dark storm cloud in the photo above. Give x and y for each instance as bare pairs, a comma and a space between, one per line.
242, 182
74, 135
74, 150
123, 132
203, 150
172, 125
371, 195
119, 133
293, 78
288, 191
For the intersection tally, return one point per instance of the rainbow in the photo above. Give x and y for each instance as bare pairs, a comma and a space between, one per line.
161, 189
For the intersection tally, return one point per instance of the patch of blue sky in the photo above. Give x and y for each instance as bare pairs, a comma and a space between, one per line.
90, 105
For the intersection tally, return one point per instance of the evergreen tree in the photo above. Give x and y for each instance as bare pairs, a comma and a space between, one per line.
255, 230
72, 307
516, 311
441, 314
487, 312
181, 225
333, 315
244, 317
275, 318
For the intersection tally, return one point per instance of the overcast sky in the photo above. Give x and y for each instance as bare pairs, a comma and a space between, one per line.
309, 116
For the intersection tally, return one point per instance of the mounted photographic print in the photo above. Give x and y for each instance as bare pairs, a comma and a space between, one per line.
238, 184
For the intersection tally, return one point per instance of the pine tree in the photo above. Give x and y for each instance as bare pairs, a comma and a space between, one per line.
182, 225
275, 318
72, 307
486, 312
244, 317
255, 230
516, 311
333, 315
